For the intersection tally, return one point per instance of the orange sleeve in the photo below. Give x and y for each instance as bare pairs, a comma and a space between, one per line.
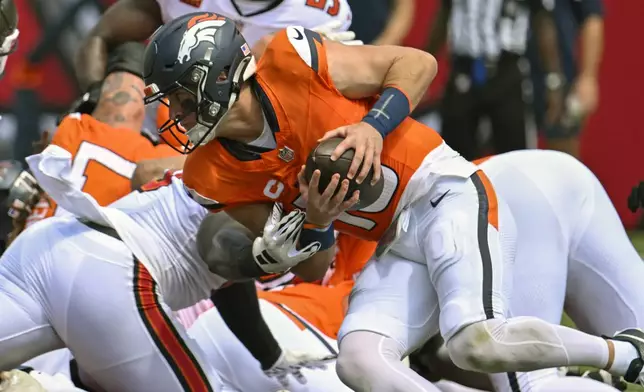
218, 182
68, 135
353, 253
294, 55
322, 307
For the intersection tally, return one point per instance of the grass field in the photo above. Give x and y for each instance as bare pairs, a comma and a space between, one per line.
637, 237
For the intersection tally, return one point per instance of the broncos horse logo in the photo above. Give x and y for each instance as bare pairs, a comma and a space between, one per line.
201, 28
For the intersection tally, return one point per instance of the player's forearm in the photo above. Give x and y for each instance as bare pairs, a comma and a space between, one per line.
592, 46
315, 267
124, 21
548, 44
238, 306
90, 61
412, 73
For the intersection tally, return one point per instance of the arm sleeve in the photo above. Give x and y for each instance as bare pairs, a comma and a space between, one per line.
584, 9
239, 308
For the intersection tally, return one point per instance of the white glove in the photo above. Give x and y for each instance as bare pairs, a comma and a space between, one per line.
56, 383
17, 380
331, 30
276, 250
292, 362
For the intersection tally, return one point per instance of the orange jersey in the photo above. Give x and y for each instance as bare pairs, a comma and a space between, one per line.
301, 104
352, 255
323, 307
45, 208
481, 160
104, 159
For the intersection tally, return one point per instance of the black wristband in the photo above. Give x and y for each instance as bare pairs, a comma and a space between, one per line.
127, 57
239, 308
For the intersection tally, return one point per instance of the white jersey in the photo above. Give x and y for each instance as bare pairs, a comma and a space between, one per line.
256, 19
166, 212
159, 226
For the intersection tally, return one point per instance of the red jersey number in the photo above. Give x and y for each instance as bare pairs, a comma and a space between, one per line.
160, 183
333, 10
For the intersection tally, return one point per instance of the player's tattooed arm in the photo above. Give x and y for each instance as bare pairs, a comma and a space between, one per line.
125, 20
121, 101
365, 71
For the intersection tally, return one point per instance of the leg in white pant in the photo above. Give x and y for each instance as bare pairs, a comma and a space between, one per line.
379, 357
242, 372
393, 308
25, 328
107, 309
606, 273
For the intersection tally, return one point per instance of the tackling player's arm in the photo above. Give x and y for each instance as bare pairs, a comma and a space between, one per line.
125, 20
238, 306
254, 217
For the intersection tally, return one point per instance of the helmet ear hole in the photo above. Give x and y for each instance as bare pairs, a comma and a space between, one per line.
223, 75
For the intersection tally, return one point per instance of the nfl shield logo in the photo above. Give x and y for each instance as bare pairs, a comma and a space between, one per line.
286, 154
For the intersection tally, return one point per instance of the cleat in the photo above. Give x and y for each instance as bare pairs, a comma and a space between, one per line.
635, 337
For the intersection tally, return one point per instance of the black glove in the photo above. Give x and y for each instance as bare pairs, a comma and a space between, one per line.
636, 199
127, 57
86, 103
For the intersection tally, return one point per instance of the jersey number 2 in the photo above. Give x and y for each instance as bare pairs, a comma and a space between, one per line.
274, 189
333, 10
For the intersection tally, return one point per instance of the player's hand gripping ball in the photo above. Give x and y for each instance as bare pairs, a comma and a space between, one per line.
320, 159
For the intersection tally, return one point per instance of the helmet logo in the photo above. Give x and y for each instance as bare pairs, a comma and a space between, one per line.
201, 28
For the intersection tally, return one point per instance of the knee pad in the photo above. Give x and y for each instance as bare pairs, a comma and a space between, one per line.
494, 345
361, 355
352, 358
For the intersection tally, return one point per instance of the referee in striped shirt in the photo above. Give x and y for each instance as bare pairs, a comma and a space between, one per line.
487, 39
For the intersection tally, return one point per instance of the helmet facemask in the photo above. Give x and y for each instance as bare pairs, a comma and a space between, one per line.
208, 112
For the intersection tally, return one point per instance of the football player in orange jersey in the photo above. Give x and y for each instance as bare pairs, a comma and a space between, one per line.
446, 241
106, 144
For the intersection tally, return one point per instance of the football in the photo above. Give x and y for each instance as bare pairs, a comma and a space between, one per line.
320, 159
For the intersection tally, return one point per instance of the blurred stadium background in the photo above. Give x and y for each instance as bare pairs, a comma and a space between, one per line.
40, 83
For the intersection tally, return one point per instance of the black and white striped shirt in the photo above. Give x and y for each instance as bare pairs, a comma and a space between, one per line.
485, 28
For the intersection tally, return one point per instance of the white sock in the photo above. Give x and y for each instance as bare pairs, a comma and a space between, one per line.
625, 353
